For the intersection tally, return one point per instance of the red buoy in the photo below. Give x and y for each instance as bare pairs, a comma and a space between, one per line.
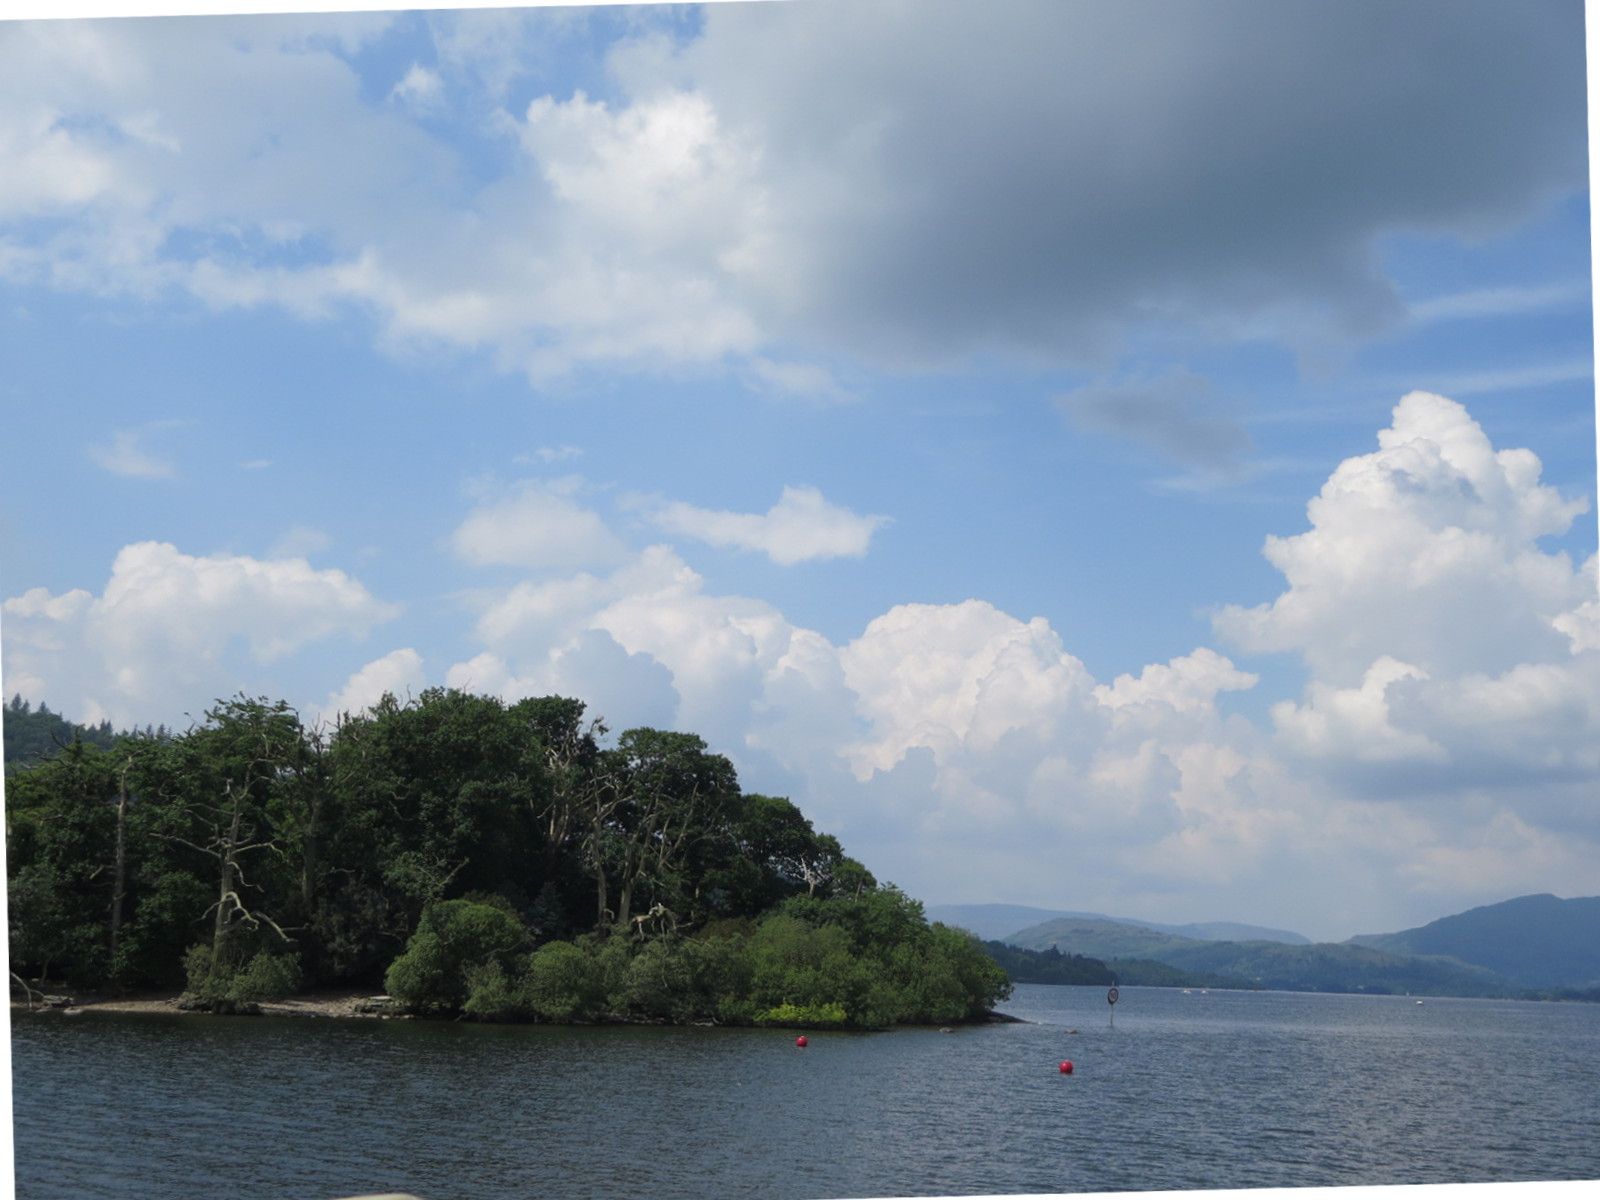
800, 1041
1066, 1066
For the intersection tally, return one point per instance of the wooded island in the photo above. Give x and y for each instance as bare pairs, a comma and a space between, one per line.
497, 861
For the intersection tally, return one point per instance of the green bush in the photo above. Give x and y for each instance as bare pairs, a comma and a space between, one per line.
197, 966
563, 983
805, 1016
490, 994
267, 977
454, 938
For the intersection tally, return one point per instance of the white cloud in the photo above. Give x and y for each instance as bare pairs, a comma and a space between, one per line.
398, 673
1582, 624
167, 630
943, 676
1187, 684
801, 527
1425, 551
761, 182
955, 742
127, 455
809, 381
537, 525
1450, 653
420, 90
1352, 725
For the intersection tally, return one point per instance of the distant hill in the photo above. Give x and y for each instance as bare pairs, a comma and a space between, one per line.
1100, 938
1538, 941
992, 922
1320, 967
996, 922
1331, 967
35, 734
1231, 931
1533, 944
1050, 966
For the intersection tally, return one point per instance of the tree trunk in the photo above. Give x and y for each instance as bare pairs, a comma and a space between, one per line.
119, 876
625, 902
225, 886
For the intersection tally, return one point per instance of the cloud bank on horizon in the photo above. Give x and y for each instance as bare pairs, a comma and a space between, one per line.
978, 278
1449, 727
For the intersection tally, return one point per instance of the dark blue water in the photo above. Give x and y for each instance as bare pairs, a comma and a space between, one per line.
1187, 1091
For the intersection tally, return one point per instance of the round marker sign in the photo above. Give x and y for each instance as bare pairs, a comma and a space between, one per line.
1111, 996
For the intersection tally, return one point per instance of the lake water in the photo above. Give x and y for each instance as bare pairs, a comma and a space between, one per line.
1223, 1089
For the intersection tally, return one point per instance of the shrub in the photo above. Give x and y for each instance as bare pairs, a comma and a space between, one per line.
490, 995
227, 989
805, 1016
267, 977
453, 939
562, 983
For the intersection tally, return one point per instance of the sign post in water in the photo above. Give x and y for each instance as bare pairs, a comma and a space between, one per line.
1111, 998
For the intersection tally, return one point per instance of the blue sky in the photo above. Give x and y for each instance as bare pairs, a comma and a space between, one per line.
901, 396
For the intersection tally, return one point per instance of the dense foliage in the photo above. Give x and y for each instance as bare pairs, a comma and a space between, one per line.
35, 734
502, 861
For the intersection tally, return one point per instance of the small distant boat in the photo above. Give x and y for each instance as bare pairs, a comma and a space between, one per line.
1187, 992
1419, 1001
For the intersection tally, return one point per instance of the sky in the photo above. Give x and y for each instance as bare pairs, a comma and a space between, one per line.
1135, 457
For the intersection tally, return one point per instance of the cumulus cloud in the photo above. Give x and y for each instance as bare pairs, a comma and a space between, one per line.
801, 527
1435, 516
759, 188
1450, 653
1190, 683
537, 525
955, 741
398, 673
167, 629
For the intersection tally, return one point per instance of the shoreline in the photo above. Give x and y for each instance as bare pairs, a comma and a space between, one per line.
345, 1005
362, 1005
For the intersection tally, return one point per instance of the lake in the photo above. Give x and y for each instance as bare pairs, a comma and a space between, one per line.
1222, 1089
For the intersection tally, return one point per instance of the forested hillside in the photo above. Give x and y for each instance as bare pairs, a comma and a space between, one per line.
504, 861
35, 734
1539, 941
1323, 967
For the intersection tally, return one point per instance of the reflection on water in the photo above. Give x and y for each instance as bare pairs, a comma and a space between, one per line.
1187, 1091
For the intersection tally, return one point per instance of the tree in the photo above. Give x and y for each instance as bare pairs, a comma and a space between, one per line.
220, 786
61, 843
667, 793
434, 798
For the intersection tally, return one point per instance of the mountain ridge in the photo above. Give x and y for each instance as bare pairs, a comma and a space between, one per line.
1538, 940
996, 921
1526, 944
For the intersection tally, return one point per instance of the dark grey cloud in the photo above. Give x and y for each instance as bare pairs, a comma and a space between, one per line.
1174, 412
948, 177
